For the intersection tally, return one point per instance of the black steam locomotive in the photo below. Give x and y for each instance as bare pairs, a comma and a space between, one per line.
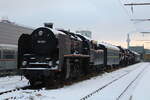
48, 55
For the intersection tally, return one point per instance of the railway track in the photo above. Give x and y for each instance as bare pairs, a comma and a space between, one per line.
124, 91
101, 88
22, 88
8, 72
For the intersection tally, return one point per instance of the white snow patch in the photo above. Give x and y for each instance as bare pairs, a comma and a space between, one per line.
81, 89
12, 82
142, 92
113, 91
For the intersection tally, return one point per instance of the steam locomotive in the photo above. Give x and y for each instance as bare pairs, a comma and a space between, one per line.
49, 55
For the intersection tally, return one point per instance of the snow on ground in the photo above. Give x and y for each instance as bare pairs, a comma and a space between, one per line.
113, 91
12, 82
142, 92
81, 89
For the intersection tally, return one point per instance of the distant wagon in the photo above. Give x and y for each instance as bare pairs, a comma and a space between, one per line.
8, 56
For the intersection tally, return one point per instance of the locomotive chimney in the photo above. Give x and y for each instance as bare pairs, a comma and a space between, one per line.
50, 25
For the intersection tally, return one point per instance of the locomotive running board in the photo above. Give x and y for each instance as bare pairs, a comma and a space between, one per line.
77, 55
39, 68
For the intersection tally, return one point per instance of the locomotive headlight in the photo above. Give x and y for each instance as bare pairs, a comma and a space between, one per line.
57, 62
24, 63
50, 63
40, 33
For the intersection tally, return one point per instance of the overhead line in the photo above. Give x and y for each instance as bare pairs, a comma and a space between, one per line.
145, 32
126, 11
140, 19
142, 40
136, 4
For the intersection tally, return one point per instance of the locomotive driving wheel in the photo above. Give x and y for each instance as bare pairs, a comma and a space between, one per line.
32, 83
75, 69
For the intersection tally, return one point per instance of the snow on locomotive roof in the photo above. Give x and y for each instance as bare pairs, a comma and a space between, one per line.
110, 46
54, 31
85, 36
135, 52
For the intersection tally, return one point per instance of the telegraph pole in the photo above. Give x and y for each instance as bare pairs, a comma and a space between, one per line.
128, 41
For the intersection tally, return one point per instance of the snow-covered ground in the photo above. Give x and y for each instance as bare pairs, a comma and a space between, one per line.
142, 91
114, 91
12, 82
81, 89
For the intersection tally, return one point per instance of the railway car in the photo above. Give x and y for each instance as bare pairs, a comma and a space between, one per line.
111, 55
136, 57
131, 57
8, 59
128, 57
123, 56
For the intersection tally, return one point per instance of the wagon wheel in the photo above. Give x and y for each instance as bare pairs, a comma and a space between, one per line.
32, 83
78, 70
66, 70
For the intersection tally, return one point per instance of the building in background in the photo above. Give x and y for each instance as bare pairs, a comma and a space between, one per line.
85, 33
139, 49
147, 51
10, 32
147, 55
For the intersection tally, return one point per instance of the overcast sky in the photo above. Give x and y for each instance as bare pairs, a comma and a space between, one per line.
107, 19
